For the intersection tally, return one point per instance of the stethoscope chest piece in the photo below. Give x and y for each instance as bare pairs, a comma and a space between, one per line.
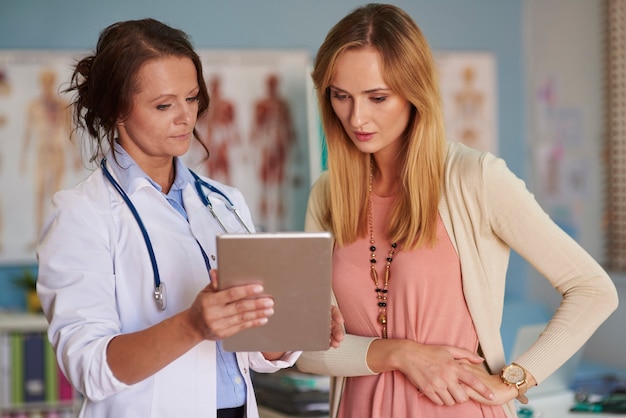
160, 296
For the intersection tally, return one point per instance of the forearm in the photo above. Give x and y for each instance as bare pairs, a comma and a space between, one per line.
385, 355
350, 359
136, 356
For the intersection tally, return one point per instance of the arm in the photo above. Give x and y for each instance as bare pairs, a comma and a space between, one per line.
213, 315
588, 294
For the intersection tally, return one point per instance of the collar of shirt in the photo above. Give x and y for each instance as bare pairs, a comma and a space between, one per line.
127, 171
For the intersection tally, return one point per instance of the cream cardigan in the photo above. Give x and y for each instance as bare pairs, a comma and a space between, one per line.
488, 211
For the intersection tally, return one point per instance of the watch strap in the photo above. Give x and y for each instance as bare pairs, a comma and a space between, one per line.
521, 392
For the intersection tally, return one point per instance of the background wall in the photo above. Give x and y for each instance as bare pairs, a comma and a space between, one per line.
482, 25
563, 44
527, 37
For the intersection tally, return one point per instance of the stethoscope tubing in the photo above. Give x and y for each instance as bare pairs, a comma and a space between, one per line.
159, 286
199, 183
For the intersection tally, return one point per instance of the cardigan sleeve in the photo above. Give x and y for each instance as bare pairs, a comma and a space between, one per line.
350, 359
588, 294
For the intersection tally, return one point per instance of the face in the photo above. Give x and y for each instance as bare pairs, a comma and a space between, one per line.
373, 115
163, 113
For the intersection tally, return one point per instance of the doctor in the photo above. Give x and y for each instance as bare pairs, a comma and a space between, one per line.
127, 265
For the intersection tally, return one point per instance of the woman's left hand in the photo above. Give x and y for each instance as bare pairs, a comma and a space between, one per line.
503, 393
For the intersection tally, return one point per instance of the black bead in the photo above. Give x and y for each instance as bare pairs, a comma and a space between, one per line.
394, 245
373, 260
389, 259
379, 290
384, 290
372, 248
382, 304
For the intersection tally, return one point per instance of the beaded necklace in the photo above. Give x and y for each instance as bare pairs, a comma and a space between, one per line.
381, 292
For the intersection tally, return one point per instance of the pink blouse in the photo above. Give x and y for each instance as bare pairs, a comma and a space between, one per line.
425, 304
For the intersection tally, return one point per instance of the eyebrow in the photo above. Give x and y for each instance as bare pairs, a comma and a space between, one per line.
195, 90
374, 90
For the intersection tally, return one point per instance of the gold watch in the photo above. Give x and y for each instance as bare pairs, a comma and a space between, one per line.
515, 375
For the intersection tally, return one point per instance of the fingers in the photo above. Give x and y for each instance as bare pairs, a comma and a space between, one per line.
213, 285
242, 314
227, 312
444, 373
336, 327
458, 383
476, 385
461, 353
446, 391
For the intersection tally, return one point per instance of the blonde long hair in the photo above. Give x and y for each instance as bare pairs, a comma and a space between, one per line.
409, 69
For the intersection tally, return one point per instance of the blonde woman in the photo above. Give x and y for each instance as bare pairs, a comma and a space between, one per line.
423, 230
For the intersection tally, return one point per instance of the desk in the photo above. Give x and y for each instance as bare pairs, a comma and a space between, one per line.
558, 405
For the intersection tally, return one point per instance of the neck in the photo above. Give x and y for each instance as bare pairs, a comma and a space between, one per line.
162, 174
167, 180
385, 183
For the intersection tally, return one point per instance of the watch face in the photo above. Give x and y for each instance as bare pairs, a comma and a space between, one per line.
514, 374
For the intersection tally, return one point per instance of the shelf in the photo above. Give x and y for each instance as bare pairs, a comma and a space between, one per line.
31, 384
24, 322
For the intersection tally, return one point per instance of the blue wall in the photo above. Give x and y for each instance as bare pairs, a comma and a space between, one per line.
486, 25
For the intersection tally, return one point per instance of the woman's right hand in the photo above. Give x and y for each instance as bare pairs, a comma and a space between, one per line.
433, 369
217, 314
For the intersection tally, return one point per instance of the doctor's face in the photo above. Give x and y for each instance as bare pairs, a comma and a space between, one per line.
163, 113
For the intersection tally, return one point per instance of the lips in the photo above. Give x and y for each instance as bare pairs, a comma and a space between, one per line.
182, 136
363, 136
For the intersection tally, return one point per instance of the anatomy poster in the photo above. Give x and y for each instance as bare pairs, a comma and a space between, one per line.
256, 132
468, 89
560, 160
37, 157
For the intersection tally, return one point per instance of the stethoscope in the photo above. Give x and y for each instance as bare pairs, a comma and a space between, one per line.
159, 286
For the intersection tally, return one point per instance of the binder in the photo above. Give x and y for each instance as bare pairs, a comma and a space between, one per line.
34, 368
66, 390
5, 370
17, 369
51, 373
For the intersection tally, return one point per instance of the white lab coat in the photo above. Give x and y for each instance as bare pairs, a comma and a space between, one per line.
96, 282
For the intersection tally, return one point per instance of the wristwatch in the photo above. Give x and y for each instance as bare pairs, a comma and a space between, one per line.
515, 375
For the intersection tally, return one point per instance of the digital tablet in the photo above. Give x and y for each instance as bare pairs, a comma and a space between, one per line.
295, 269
